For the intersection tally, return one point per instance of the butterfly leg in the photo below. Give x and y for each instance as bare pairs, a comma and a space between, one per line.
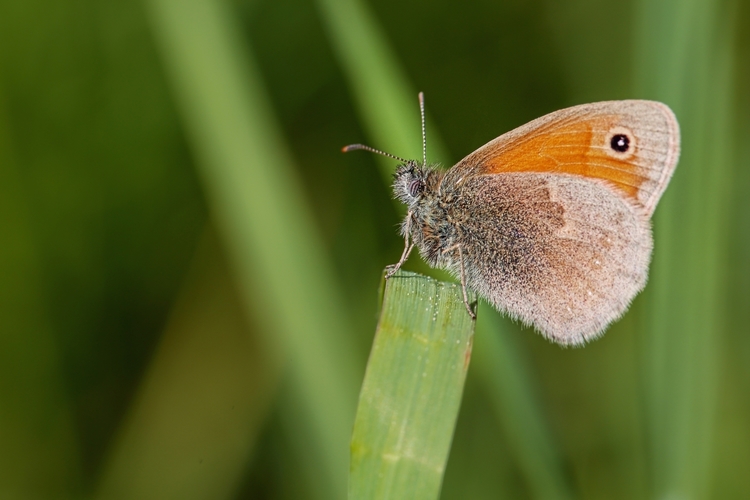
463, 285
408, 247
463, 277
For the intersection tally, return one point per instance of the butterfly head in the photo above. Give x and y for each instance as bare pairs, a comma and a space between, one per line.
410, 182
411, 179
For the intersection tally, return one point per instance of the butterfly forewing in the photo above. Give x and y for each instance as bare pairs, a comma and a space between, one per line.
632, 145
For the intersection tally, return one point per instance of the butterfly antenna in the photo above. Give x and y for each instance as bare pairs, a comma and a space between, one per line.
353, 147
424, 133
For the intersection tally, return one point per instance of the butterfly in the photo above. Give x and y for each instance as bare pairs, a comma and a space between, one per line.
550, 222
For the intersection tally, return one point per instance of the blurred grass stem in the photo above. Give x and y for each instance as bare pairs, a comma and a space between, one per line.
257, 201
681, 342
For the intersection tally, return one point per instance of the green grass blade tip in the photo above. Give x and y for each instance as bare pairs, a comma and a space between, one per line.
412, 390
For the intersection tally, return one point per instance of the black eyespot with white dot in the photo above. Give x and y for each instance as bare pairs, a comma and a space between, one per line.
620, 143
415, 188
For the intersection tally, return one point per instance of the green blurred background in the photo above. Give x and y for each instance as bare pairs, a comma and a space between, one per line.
189, 266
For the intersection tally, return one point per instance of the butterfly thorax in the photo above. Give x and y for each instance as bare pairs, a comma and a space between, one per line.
429, 221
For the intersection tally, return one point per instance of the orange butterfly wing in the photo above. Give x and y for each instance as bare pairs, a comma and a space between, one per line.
582, 141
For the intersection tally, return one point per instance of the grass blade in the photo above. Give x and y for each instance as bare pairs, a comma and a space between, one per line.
499, 362
386, 100
685, 59
37, 426
254, 194
204, 399
412, 390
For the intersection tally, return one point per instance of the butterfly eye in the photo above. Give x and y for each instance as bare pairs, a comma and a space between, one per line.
620, 142
415, 188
